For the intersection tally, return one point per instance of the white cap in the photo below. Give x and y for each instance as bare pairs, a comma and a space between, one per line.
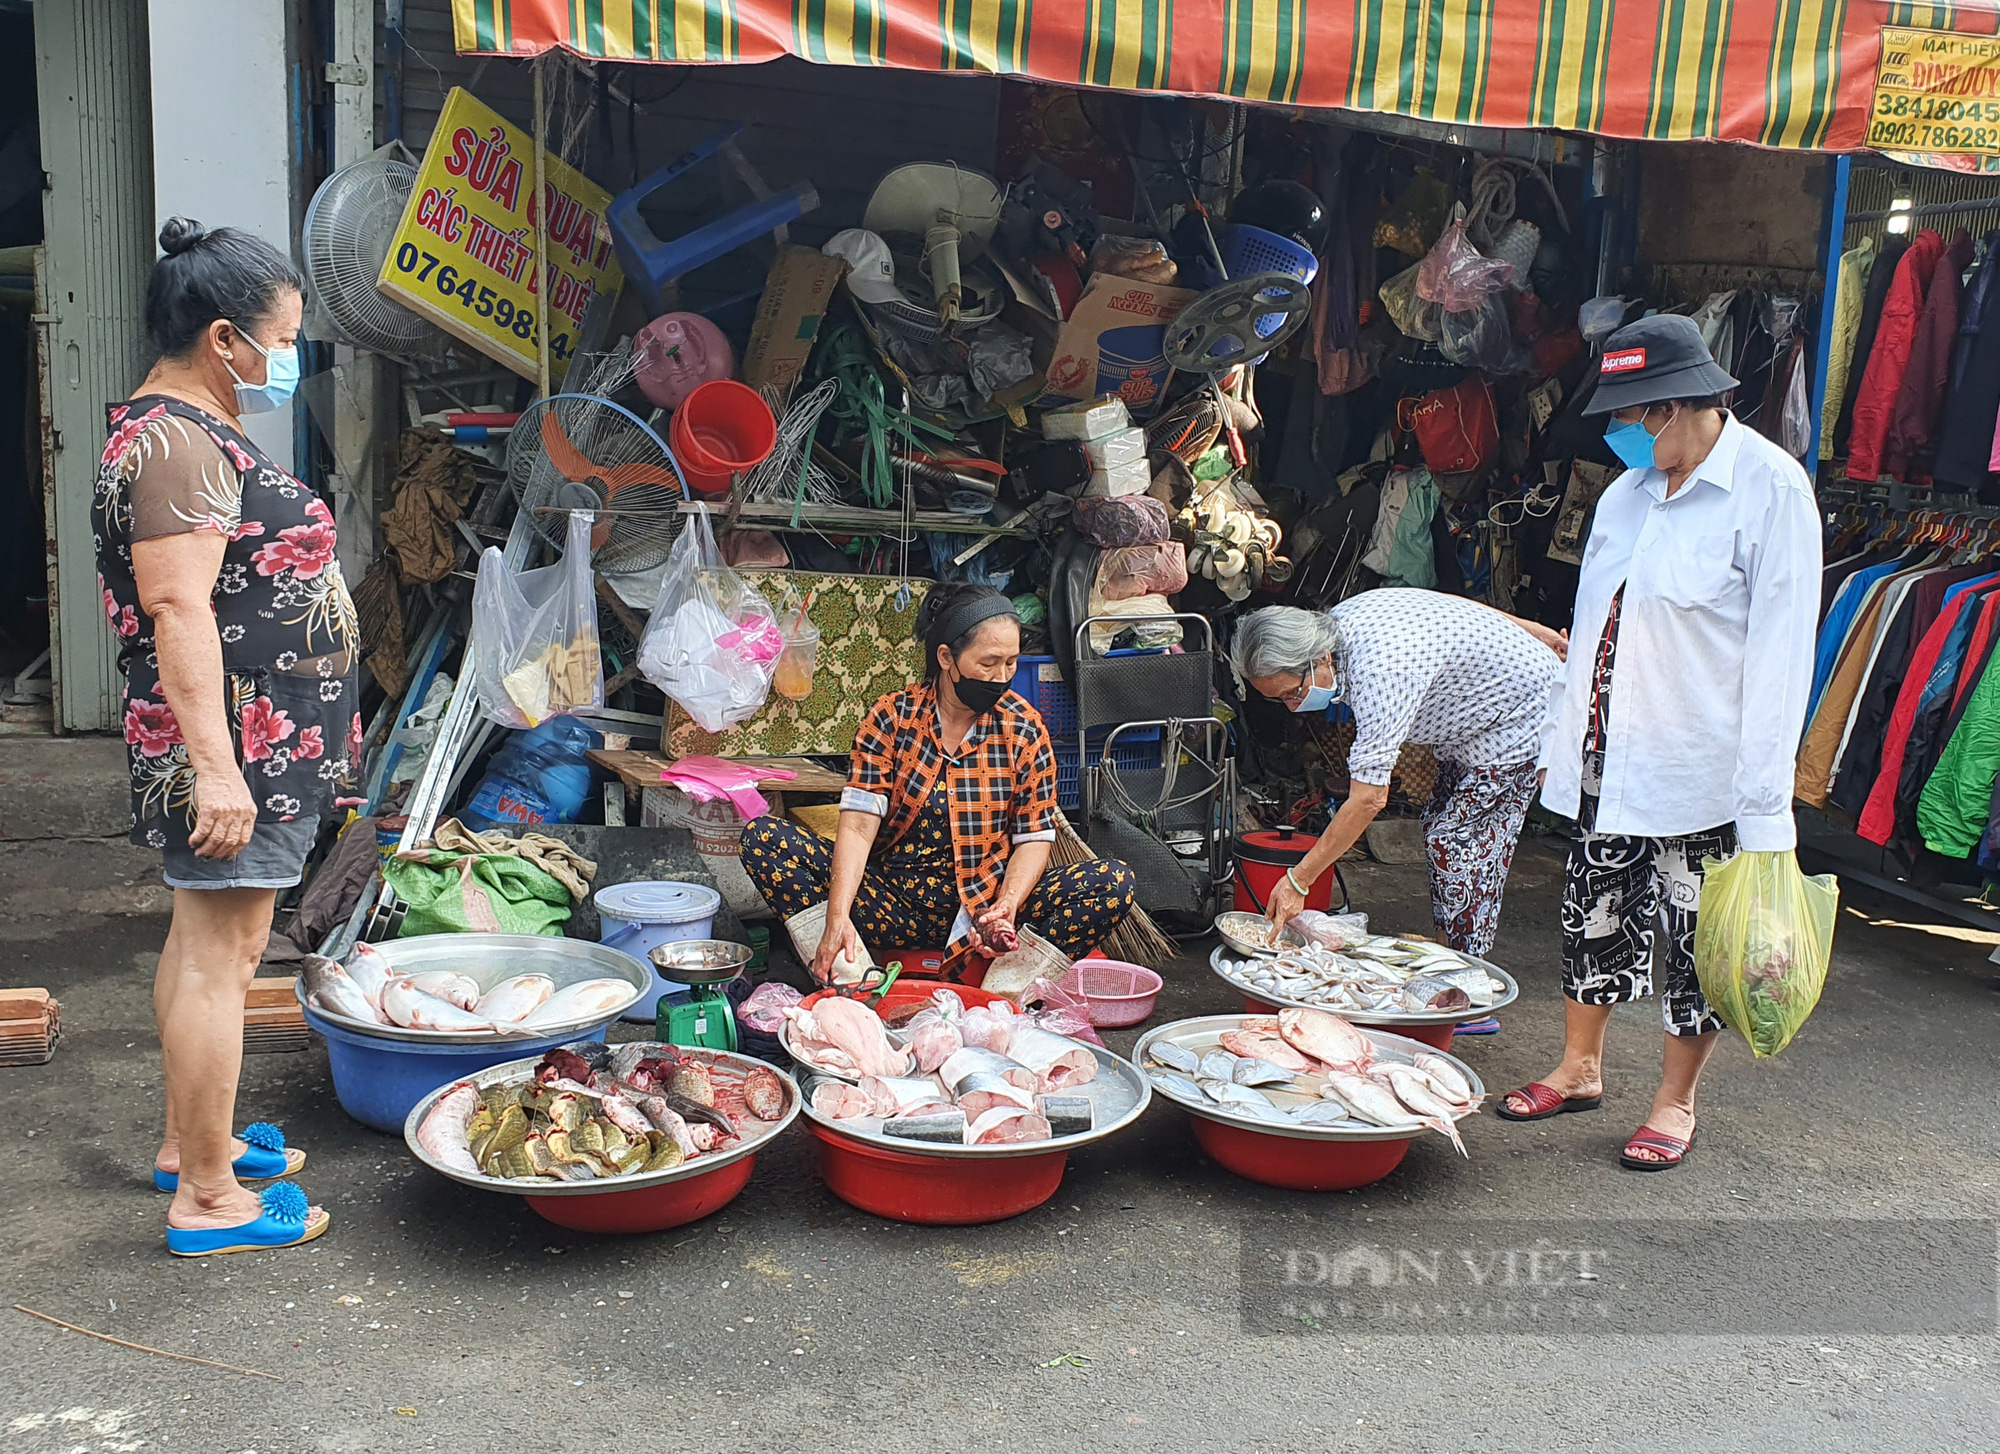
871, 272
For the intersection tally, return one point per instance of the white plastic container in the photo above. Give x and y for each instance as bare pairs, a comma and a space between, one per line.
1125, 447
639, 917
1125, 479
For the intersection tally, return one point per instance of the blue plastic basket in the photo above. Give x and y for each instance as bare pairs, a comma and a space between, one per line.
1050, 695
1127, 752
1247, 250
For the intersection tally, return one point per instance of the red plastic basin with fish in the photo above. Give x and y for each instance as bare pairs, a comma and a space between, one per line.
910, 994
937, 1191
1438, 1037
1294, 1162
652, 1208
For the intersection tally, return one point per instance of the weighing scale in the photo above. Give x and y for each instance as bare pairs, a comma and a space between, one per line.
702, 1016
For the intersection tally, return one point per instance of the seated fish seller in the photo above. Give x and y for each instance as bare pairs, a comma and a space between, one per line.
949, 815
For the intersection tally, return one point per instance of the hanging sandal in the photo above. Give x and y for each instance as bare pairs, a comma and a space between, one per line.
287, 1220
1672, 1150
265, 1155
1544, 1101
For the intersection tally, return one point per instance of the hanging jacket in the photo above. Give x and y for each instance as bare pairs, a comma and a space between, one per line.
1850, 292
1882, 381
1952, 814
1937, 714
1972, 307
1965, 440
1828, 725
1913, 424
1881, 275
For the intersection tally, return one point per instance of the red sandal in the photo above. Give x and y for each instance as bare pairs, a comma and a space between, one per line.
1672, 1150
1544, 1101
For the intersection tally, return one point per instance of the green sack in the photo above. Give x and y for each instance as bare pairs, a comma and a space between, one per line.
476, 893
1763, 936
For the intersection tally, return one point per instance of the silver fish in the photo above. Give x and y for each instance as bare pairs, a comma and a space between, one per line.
1174, 1057
1175, 1085
1446, 1076
410, 1007
330, 989
1414, 1089
367, 967
580, 1001
1218, 1065
1320, 1113
513, 999
1067, 1115
1368, 1099
1228, 1093
1453, 989
450, 986
1259, 1072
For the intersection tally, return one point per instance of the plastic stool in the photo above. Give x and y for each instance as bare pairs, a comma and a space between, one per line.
652, 264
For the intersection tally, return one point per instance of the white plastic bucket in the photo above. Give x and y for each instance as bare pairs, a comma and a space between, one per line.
639, 917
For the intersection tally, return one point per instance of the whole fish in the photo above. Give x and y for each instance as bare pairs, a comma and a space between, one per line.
1368, 1099
1265, 1045
1174, 1057
410, 1007
1454, 1086
516, 998
670, 1121
583, 1000
1259, 1072
367, 967
764, 1093
1234, 1096
1327, 1038
1413, 1088
1320, 1113
442, 1133
695, 1111
329, 988
450, 986
1175, 1085
1218, 1065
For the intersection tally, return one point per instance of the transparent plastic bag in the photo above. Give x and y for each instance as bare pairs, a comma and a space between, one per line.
534, 635
1763, 937
1457, 276
1483, 338
1415, 316
1141, 570
1113, 521
1329, 931
1413, 221
713, 641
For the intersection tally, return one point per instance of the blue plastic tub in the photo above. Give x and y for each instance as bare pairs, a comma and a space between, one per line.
379, 1080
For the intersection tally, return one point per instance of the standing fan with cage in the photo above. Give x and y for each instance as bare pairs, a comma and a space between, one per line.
583, 452
349, 224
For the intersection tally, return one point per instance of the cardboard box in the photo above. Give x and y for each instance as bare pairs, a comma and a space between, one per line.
1114, 343
796, 296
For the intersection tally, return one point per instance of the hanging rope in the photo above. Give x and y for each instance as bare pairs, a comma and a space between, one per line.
861, 407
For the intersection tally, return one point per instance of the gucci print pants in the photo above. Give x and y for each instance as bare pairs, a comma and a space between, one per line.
1074, 908
1471, 826
1628, 909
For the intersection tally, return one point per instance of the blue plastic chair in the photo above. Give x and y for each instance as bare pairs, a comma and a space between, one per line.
652, 264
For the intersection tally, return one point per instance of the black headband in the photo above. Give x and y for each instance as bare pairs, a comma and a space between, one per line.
962, 618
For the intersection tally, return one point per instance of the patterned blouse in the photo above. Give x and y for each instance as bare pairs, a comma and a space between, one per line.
287, 625
1002, 782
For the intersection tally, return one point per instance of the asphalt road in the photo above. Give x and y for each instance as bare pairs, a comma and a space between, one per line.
435, 1317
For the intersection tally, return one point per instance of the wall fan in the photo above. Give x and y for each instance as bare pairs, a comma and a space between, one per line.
583, 452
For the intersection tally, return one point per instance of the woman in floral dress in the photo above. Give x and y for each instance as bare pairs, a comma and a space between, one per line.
237, 639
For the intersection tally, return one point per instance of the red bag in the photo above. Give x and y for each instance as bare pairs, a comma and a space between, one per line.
1456, 429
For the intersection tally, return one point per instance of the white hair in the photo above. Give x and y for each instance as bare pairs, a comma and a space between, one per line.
1282, 639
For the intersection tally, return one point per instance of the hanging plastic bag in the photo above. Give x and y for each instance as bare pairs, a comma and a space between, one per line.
534, 635
1457, 277
1414, 316
713, 641
1483, 338
1763, 937
1414, 220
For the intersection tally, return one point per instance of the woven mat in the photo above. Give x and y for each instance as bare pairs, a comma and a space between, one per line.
865, 649
1416, 765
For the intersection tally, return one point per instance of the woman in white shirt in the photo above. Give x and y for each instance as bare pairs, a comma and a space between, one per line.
1672, 743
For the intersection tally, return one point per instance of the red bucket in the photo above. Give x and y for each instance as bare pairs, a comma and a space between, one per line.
722, 429
1261, 861
909, 995
651, 1208
937, 1191
1291, 1161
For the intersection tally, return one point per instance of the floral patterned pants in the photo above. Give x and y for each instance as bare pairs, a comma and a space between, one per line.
1471, 826
900, 906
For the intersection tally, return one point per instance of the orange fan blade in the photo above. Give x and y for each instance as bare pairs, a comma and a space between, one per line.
620, 475
566, 457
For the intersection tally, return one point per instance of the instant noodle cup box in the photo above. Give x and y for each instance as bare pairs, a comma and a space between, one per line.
1114, 342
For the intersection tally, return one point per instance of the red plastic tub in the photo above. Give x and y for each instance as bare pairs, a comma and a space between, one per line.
1117, 991
721, 429
909, 993
649, 1209
1438, 1037
1291, 1161
1261, 860
936, 1191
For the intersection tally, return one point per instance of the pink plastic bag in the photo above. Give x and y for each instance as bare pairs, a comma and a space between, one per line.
765, 1008
1143, 570
1456, 276
1114, 521
1060, 1012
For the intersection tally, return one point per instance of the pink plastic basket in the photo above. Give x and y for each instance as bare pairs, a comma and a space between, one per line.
1117, 992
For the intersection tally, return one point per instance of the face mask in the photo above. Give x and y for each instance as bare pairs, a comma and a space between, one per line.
281, 378
1631, 442
1317, 698
981, 697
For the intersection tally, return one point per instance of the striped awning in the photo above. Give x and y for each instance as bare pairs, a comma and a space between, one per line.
1784, 73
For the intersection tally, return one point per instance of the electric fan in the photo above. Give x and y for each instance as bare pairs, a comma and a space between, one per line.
583, 452
348, 226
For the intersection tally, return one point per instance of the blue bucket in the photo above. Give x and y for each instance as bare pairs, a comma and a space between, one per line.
378, 1080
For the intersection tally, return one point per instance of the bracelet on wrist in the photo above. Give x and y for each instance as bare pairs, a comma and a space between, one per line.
1297, 887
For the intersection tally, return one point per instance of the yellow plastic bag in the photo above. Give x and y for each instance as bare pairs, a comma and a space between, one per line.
1763, 937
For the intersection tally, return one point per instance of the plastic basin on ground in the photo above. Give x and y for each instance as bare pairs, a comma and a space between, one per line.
932, 1190
378, 1080
1438, 1037
1300, 1165
649, 1209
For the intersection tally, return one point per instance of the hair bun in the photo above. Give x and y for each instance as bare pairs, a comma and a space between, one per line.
179, 234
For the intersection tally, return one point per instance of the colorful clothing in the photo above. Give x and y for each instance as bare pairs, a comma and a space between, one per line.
285, 620
1471, 826
1001, 780
908, 899
1597, 721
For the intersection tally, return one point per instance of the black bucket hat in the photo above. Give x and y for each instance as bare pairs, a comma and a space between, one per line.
1652, 361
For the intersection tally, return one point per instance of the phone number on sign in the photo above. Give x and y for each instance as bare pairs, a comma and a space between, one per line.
476, 299
1935, 108
1920, 136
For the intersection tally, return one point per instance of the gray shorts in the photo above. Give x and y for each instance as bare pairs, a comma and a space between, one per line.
274, 858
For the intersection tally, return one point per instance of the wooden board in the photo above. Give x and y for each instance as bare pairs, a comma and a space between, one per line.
272, 1021
639, 770
30, 1026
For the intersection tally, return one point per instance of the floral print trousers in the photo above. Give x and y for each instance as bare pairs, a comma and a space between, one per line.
906, 903
1471, 826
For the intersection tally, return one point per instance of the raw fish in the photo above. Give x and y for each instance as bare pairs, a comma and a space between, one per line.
1235, 1097
668, 1120
1413, 1088
972, 1059
1176, 1085
1467, 987
1259, 1072
1267, 1046
898, 1095
980, 1092
946, 1127
842, 1037
442, 1133
329, 988
516, 998
1059, 1061
988, 1027
410, 1007
1320, 1113
933, 1042
1326, 1037
583, 1000
1174, 1057
691, 1079
1218, 1065
839, 1100
1369, 1099
1006, 1125
1454, 1086
450, 986
367, 967
764, 1093
1067, 1115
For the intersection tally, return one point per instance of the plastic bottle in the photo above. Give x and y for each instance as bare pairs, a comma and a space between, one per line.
540, 776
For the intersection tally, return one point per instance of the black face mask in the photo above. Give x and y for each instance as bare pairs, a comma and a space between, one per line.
980, 697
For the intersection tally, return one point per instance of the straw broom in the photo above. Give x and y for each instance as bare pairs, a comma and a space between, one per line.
1138, 939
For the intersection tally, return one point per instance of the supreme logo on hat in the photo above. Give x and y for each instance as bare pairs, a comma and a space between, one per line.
1625, 361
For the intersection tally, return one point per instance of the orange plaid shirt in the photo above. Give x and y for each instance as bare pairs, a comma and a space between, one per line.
1001, 781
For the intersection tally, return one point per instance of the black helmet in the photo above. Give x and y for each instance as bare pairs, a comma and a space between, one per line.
1289, 209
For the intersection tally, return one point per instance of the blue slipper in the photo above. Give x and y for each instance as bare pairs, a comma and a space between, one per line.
286, 1222
265, 1156
1488, 1026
